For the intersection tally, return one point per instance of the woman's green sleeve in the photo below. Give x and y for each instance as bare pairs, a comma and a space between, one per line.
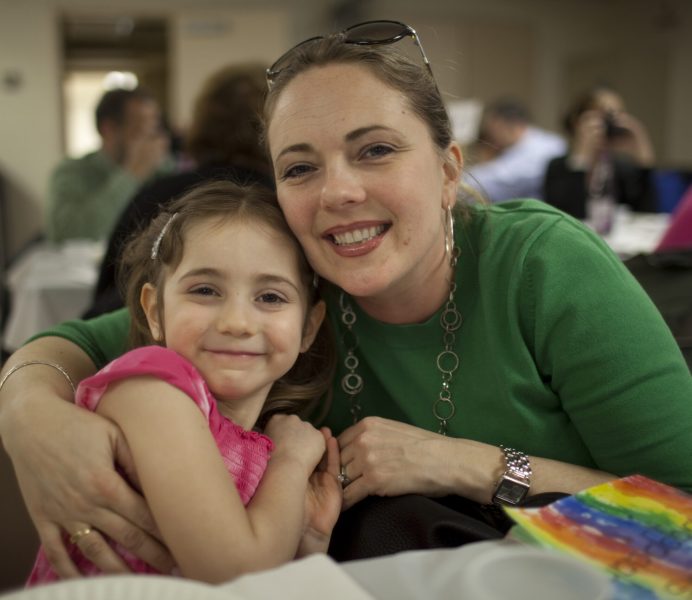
102, 338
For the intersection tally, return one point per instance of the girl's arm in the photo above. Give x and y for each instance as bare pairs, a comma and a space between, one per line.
63, 458
211, 535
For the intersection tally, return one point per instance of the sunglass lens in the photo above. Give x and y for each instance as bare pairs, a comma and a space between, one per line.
377, 32
285, 59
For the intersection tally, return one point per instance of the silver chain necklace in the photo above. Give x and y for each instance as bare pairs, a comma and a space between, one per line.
447, 360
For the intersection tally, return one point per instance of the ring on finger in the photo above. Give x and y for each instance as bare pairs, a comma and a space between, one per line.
79, 534
342, 478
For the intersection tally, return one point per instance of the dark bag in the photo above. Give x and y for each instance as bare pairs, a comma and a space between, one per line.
380, 526
667, 279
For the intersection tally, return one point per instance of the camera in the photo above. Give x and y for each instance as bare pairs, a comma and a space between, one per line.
612, 129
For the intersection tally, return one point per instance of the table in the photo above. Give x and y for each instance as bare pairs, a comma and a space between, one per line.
50, 284
430, 574
636, 233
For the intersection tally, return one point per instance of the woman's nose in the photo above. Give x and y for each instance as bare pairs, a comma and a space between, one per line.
342, 187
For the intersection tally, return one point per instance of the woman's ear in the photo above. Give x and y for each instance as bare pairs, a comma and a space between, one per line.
452, 165
314, 319
148, 298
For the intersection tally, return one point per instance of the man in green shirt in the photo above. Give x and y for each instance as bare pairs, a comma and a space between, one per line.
86, 195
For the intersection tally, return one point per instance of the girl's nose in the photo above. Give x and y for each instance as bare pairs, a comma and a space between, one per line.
342, 187
235, 318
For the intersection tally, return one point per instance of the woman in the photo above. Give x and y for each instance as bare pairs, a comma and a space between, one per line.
610, 161
502, 330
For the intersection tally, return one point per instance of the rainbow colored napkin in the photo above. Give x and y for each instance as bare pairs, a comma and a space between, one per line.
637, 529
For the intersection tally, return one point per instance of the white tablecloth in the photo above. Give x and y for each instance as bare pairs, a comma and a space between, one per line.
49, 285
462, 573
636, 233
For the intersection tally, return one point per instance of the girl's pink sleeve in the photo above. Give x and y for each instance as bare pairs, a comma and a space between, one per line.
155, 361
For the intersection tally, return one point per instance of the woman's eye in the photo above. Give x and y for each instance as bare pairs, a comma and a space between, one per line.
377, 150
271, 298
296, 171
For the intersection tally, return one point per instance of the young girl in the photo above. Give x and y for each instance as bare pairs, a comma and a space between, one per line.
224, 312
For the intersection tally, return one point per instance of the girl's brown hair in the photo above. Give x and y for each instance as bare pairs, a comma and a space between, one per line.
149, 254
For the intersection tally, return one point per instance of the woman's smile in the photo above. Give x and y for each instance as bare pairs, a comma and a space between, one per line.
362, 185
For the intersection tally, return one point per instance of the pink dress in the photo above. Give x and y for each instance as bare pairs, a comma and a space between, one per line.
245, 453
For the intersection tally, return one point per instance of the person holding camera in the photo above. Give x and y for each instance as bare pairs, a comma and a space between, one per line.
610, 162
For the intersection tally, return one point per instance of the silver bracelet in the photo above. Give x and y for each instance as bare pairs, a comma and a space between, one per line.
38, 362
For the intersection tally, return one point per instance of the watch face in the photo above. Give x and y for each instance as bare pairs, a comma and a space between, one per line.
510, 491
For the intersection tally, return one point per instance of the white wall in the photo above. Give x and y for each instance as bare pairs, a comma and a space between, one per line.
540, 49
203, 41
30, 112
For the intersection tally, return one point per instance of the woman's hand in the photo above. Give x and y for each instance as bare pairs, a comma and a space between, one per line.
64, 457
322, 501
589, 138
387, 458
636, 143
65, 472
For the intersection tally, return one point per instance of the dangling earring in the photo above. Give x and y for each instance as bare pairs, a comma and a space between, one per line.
449, 232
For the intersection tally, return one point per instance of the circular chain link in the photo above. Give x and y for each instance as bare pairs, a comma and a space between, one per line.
352, 383
447, 360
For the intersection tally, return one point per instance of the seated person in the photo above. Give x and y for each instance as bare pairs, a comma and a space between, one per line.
223, 143
516, 153
87, 194
610, 158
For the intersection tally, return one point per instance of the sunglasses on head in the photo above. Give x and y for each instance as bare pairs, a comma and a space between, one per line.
369, 33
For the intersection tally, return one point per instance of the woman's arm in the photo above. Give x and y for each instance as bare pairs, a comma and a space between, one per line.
211, 535
387, 458
63, 458
610, 360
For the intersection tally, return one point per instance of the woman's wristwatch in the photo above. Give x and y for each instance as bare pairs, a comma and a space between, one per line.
515, 481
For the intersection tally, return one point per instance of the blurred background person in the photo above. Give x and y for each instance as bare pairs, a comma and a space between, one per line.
610, 161
222, 142
87, 194
512, 153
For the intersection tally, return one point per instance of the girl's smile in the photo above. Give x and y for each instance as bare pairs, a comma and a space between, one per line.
236, 307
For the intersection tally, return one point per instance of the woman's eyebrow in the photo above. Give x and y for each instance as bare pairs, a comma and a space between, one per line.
349, 137
361, 131
304, 147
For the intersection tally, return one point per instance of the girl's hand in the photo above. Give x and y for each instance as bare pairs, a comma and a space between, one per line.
387, 458
63, 461
322, 501
296, 439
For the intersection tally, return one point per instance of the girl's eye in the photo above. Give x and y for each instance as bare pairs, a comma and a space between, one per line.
271, 298
377, 151
296, 171
203, 290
